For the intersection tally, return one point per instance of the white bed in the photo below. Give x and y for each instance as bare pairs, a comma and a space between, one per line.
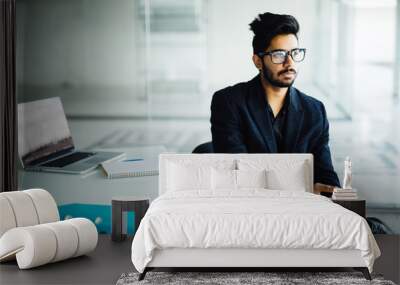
201, 221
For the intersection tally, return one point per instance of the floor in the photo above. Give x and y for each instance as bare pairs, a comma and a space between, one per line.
103, 266
110, 260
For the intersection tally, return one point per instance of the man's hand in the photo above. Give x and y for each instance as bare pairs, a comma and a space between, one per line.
323, 188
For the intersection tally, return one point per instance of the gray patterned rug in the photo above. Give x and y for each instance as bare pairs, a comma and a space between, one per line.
228, 278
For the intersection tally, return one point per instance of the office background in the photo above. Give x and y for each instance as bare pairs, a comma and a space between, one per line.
142, 72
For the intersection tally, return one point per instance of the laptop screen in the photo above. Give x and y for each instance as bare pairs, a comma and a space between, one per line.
42, 130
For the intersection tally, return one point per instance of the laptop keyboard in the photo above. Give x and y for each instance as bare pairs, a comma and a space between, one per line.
68, 159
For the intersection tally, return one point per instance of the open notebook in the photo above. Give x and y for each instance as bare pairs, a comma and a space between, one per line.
130, 168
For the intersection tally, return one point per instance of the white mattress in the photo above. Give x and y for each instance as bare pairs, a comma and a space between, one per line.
251, 218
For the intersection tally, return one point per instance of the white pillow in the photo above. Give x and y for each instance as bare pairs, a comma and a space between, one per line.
251, 178
223, 179
188, 177
282, 174
227, 179
291, 178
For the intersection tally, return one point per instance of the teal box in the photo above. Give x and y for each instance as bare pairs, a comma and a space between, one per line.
98, 214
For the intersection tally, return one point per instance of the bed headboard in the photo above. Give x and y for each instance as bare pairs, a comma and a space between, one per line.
212, 158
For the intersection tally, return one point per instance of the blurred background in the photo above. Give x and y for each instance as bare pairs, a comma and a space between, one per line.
142, 72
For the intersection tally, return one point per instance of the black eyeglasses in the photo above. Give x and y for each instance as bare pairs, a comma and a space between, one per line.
279, 56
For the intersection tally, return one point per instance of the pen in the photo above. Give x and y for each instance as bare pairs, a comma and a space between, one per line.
135, 159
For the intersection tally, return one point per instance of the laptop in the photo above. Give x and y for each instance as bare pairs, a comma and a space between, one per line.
45, 142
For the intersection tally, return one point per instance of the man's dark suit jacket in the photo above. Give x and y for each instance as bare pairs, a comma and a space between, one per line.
240, 124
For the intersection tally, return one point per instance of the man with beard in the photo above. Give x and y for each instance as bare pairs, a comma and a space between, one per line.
267, 114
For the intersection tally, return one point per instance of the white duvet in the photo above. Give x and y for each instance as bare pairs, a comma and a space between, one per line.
250, 218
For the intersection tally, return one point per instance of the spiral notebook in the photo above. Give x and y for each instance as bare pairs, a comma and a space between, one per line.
130, 168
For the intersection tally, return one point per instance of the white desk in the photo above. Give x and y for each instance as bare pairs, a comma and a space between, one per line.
94, 188
90, 195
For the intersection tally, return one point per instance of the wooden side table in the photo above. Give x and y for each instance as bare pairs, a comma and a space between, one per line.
357, 206
139, 205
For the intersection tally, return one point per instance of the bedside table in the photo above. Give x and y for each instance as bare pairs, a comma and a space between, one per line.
357, 206
139, 205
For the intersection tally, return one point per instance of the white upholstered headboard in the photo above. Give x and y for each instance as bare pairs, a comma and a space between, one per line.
212, 158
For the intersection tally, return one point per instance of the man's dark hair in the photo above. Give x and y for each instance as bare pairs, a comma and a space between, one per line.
266, 26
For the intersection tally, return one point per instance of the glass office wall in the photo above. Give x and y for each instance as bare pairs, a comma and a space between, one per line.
142, 58
165, 58
356, 73
88, 52
175, 41
356, 52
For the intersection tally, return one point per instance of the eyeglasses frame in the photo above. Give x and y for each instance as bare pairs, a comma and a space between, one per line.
288, 52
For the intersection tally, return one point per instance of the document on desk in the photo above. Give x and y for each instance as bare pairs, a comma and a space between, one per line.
130, 168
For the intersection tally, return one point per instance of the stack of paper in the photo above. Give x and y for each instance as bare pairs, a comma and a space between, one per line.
130, 167
344, 194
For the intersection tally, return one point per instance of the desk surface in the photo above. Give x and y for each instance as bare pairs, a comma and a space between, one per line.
94, 187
